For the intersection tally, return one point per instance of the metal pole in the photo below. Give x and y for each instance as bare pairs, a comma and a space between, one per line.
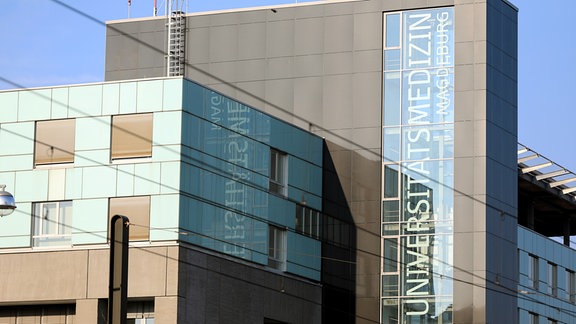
118, 286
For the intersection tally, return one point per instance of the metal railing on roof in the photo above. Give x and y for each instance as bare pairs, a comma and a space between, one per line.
546, 171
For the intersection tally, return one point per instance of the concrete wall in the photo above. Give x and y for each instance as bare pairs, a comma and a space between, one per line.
213, 289
81, 277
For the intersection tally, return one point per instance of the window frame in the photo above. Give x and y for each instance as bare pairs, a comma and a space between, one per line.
552, 279
533, 271
278, 174
277, 243
63, 224
308, 221
66, 148
143, 136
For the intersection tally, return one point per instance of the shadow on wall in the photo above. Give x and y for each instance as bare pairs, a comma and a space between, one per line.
338, 248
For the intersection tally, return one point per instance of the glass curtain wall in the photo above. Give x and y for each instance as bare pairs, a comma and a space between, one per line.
418, 166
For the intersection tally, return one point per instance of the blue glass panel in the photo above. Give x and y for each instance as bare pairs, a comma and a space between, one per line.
428, 142
428, 96
392, 60
393, 30
391, 144
392, 99
428, 38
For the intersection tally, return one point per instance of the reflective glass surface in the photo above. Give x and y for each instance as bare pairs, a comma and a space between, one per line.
54, 141
418, 102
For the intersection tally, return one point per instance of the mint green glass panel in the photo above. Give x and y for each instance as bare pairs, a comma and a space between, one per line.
9, 104
34, 104
173, 94
164, 211
149, 96
90, 221
17, 138
128, 91
86, 128
85, 101
111, 99
15, 229
59, 103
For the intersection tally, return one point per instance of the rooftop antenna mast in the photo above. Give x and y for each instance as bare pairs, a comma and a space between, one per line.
176, 44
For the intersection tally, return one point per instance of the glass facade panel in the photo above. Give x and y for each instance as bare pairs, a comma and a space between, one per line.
131, 136
392, 59
391, 181
393, 30
391, 142
418, 102
392, 98
137, 209
54, 141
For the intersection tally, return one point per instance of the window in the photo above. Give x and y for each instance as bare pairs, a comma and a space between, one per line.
137, 209
52, 223
276, 248
533, 318
552, 321
278, 172
53, 314
552, 279
54, 142
533, 271
307, 221
140, 312
570, 286
131, 136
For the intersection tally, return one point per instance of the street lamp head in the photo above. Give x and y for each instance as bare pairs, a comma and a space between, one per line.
7, 203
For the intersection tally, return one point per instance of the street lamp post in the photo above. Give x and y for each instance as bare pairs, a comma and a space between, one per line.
7, 203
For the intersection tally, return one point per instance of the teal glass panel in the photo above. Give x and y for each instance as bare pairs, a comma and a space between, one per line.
303, 256
392, 30
392, 99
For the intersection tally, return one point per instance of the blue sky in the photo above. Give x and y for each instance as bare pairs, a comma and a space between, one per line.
43, 43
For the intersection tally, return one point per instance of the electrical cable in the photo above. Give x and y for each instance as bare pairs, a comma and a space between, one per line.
293, 115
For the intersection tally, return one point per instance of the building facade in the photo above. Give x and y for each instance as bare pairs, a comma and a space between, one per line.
388, 187
224, 205
417, 101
